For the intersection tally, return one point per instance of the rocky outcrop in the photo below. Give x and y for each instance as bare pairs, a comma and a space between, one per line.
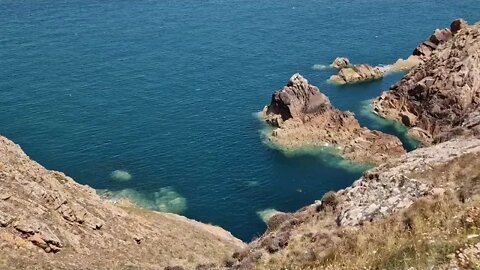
340, 62
361, 73
357, 74
47, 221
393, 186
438, 39
440, 99
303, 116
388, 189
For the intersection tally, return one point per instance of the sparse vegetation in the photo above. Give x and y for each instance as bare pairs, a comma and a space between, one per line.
436, 232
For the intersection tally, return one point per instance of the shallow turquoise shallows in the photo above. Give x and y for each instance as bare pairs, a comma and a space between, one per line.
156, 100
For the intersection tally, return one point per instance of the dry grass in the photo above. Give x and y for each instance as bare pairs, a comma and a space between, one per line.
422, 236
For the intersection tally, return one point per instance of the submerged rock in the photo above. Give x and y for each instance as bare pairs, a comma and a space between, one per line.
303, 117
357, 74
440, 99
340, 62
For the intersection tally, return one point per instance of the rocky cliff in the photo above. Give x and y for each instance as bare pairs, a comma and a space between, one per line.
387, 219
438, 39
439, 99
303, 116
48, 221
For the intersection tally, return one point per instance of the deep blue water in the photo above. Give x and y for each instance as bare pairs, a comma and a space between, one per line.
166, 90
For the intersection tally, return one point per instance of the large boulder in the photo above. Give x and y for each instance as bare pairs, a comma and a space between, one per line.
439, 98
303, 116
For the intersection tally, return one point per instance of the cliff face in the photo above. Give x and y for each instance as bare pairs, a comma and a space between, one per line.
303, 116
47, 221
439, 99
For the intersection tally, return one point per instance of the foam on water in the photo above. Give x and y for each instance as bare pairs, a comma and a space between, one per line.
252, 183
128, 194
266, 214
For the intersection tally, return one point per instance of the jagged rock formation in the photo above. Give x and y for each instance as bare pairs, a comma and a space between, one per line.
362, 73
439, 99
340, 62
47, 221
310, 235
438, 39
357, 74
303, 116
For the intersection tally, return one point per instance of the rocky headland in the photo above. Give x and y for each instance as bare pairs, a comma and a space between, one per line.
302, 116
48, 221
437, 40
439, 99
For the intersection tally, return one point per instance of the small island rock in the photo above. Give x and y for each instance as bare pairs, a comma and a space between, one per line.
357, 74
303, 116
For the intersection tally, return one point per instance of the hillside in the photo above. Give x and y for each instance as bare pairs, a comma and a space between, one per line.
48, 221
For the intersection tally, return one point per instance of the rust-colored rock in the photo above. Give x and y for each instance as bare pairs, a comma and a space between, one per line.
357, 74
303, 116
438, 39
440, 99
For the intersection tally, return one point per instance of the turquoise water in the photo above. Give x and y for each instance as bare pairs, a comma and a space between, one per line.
165, 91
